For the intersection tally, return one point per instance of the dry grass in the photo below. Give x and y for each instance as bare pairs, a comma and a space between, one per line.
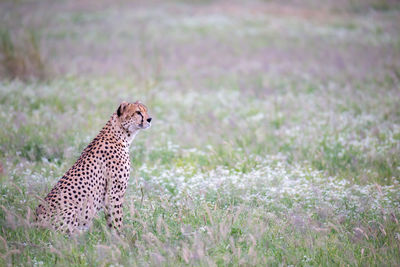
21, 56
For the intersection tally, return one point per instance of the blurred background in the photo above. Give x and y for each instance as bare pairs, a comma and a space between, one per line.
199, 39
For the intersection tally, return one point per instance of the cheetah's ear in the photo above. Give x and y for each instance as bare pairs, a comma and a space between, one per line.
121, 108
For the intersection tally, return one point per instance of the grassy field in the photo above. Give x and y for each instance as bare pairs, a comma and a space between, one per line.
275, 137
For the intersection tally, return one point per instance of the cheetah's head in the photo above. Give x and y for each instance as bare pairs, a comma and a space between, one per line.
133, 116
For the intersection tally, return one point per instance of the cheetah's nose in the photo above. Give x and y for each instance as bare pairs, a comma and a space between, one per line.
149, 120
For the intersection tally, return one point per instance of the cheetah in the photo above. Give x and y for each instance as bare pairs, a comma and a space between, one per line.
99, 178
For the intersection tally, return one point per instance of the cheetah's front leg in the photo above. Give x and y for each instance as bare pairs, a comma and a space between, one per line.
113, 206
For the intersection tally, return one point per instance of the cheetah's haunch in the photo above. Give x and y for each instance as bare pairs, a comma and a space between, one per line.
99, 178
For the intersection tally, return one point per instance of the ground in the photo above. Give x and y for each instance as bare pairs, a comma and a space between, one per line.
275, 137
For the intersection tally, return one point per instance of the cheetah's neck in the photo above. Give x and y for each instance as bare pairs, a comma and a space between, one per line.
114, 127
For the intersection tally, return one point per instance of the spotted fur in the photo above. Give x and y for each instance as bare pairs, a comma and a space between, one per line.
99, 178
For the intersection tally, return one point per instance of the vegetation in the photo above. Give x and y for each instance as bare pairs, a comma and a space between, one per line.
275, 136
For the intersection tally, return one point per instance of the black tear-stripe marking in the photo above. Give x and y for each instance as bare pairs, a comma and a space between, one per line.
142, 117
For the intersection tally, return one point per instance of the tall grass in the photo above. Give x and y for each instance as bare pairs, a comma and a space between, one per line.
21, 56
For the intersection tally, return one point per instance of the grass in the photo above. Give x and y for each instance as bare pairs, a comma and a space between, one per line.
275, 138
21, 56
